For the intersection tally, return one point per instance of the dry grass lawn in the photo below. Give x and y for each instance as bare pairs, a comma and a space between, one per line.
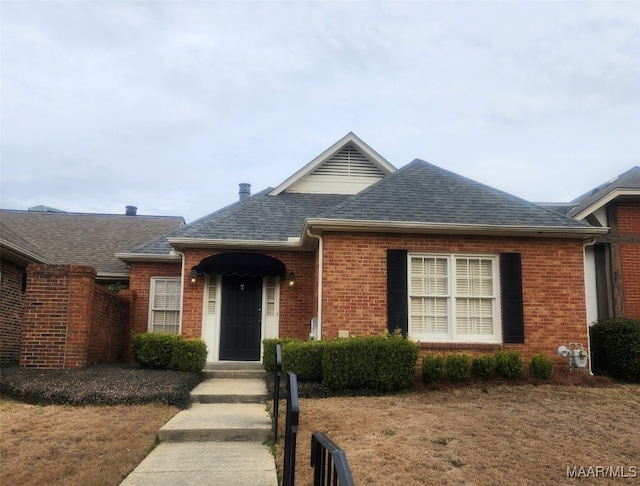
498, 434
64, 445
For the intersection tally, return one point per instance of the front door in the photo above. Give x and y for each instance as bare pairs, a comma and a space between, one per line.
241, 318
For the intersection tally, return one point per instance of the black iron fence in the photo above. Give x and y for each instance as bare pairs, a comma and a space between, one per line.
291, 430
329, 462
276, 391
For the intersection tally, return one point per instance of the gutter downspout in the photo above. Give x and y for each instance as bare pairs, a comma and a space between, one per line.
320, 250
182, 260
590, 242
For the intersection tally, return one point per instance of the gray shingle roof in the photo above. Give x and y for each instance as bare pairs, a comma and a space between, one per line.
424, 193
419, 192
86, 239
629, 180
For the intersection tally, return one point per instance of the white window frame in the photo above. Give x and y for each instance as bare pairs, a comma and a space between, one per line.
446, 289
173, 308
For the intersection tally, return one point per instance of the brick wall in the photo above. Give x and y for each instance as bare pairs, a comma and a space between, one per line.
70, 321
354, 285
629, 225
11, 311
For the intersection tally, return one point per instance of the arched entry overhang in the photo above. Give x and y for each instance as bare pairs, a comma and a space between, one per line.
241, 264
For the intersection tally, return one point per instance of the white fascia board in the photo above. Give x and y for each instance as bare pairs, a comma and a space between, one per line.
179, 243
376, 158
315, 224
616, 193
112, 276
12, 251
147, 257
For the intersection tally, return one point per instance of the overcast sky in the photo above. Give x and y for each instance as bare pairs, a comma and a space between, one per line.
168, 106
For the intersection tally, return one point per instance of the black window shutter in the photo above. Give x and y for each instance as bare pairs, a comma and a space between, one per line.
397, 303
511, 295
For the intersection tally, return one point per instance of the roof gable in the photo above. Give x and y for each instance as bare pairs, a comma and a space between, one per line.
626, 184
347, 167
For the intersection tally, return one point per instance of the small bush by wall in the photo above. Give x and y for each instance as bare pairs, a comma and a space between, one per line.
457, 367
269, 351
483, 366
168, 351
509, 364
432, 368
615, 348
541, 366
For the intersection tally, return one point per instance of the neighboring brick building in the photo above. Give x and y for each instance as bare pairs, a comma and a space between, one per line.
46, 236
351, 245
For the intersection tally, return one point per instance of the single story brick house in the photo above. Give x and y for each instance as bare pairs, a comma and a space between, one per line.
349, 245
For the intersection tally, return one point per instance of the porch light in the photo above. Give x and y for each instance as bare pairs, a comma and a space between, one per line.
292, 279
193, 276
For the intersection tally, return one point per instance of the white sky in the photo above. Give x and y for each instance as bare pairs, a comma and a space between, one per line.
168, 106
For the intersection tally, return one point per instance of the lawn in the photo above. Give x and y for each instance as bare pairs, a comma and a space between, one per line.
490, 434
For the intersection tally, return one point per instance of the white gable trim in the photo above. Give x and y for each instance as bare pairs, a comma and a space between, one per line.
371, 154
616, 193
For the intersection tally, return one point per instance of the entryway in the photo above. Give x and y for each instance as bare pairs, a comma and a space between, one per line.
241, 318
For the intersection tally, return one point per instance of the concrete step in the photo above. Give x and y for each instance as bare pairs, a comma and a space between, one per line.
234, 374
219, 422
234, 365
230, 390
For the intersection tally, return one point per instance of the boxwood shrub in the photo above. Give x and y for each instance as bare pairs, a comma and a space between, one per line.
153, 350
615, 348
540, 366
483, 366
509, 364
457, 367
168, 351
380, 363
269, 351
432, 368
304, 358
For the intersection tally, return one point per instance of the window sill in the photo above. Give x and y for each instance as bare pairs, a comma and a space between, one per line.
454, 345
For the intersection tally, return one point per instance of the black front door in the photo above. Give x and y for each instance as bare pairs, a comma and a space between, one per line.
241, 319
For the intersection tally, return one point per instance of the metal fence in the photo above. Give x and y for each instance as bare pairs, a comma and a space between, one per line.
291, 430
329, 462
276, 391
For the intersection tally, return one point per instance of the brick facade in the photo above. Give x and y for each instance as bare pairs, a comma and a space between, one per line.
70, 321
354, 285
11, 311
629, 229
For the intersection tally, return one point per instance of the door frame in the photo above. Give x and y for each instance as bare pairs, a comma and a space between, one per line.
211, 323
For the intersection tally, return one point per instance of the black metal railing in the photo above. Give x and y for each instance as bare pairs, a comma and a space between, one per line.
276, 391
291, 430
329, 462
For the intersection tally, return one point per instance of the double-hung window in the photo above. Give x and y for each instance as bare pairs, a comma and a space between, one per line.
454, 298
164, 303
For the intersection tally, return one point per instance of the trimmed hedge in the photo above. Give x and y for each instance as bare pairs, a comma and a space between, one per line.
509, 364
484, 366
269, 351
457, 367
168, 352
381, 363
615, 348
304, 358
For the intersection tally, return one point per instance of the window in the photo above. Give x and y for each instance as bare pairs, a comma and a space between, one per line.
453, 298
165, 305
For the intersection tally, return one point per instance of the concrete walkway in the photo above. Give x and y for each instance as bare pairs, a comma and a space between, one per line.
218, 441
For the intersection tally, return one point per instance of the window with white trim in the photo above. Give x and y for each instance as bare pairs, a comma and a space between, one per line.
164, 305
454, 298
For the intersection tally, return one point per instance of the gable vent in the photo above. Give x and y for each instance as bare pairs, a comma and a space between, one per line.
349, 162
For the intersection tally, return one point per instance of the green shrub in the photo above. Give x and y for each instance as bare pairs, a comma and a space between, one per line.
457, 367
615, 348
484, 366
153, 350
509, 364
304, 358
432, 368
540, 366
189, 355
381, 363
269, 351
